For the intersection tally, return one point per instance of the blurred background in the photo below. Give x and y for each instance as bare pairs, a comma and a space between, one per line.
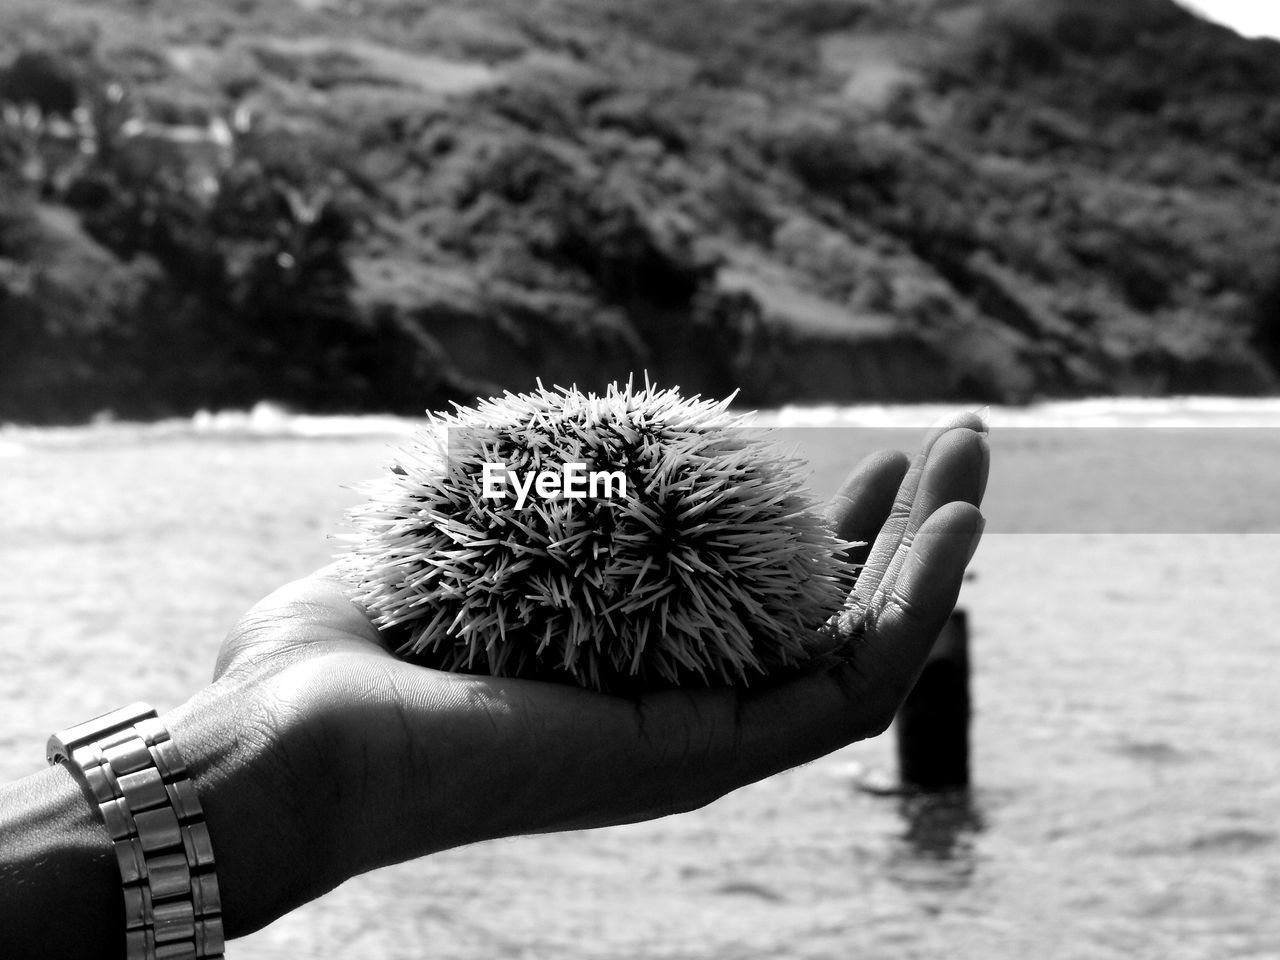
342, 205
244, 246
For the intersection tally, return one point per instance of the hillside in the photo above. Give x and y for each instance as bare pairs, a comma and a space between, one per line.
381, 205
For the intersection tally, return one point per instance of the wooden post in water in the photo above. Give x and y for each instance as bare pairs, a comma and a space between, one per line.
933, 722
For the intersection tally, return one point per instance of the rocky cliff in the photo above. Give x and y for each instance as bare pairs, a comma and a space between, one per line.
384, 205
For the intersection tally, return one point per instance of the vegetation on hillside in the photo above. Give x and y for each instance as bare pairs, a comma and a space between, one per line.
372, 204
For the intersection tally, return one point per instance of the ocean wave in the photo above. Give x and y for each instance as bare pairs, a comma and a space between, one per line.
270, 421
264, 421
1160, 412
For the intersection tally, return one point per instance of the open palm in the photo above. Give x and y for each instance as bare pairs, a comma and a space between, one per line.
382, 761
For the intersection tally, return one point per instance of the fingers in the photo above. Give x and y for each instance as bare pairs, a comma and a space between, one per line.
856, 697
916, 606
919, 559
859, 510
900, 516
956, 471
952, 465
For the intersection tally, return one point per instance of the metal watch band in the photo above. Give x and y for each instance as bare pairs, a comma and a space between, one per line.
140, 784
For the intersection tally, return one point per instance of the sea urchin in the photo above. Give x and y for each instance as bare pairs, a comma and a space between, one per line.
625, 541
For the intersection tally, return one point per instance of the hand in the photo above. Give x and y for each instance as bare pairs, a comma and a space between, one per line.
321, 755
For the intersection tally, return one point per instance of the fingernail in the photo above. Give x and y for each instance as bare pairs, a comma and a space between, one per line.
976, 537
983, 413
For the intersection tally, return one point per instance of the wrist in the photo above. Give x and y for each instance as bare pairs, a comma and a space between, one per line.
60, 882
269, 838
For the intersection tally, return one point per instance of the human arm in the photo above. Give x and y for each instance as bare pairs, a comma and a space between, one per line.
318, 755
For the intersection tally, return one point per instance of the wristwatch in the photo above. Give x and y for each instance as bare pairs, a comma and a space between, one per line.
139, 783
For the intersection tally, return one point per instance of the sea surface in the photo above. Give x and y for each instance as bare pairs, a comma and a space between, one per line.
1125, 641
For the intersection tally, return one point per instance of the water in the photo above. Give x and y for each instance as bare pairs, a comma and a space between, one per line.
1126, 742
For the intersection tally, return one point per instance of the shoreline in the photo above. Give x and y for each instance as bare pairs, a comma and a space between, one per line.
267, 420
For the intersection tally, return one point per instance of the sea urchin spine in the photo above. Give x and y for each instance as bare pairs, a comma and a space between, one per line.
711, 566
